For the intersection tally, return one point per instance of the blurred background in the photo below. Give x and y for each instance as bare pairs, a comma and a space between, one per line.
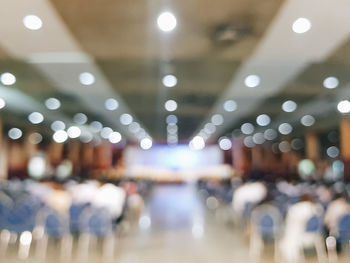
174, 131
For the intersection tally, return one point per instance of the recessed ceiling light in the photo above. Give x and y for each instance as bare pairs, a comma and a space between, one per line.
209, 128
258, 138
73, 132
7, 79
344, 106
114, 137
331, 82
126, 119
171, 119
252, 81
169, 81
217, 119
146, 143
170, 105
307, 120
32, 22
263, 120
86, 78
35, 138
289, 106
248, 142
285, 128
134, 127
96, 126
230, 105
301, 25
80, 118
166, 21
197, 143
333, 152
106, 131
52, 103
247, 128
58, 125
36, 117
15, 133
60, 136
111, 104
2, 103
284, 146
225, 143
270, 134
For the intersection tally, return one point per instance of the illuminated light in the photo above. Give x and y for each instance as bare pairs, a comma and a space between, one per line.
96, 126
140, 134
344, 106
166, 21
285, 128
209, 128
35, 138
230, 105
248, 142
263, 120
145, 222
106, 131
37, 167
86, 137
331, 83
52, 103
169, 81
126, 119
7, 79
170, 105
284, 146
15, 133
58, 125
111, 104
333, 152
212, 203
247, 128
289, 106
134, 127
258, 138
172, 129
252, 81
36, 117
197, 143
307, 120
32, 22
301, 25
306, 167
2, 103
73, 132
197, 231
270, 134
146, 143
225, 143
203, 134
297, 144
25, 238
60, 136
80, 118
86, 78
217, 119
172, 139
115, 137
171, 119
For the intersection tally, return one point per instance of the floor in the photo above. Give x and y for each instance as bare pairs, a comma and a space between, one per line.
175, 227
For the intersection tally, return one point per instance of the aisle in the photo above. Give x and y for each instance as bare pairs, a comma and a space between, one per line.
180, 231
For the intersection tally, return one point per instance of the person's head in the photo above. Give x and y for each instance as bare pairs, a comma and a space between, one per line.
306, 198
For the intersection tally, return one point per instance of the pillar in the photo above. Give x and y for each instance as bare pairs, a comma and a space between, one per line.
345, 146
312, 146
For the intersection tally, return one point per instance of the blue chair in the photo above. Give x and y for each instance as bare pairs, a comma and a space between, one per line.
314, 225
344, 229
75, 212
100, 223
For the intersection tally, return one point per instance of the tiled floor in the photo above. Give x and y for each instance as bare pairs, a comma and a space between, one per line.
175, 227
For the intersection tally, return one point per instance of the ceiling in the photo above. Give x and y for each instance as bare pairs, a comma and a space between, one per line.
120, 44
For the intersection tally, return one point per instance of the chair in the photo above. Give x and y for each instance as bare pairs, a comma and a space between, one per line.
344, 229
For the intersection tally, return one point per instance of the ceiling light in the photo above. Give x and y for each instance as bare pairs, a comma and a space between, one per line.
126, 119
225, 143
96, 126
60, 136
217, 119
86, 78
263, 120
146, 143
86, 137
32, 22
333, 152
134, 127
230, 105
331, 82
80, 118
15, 133
169, 81
58, 125
270, 134
248, 142
284, 146
36, 117
73, 132
285, 128
171, 119
172, 129
2, 103
209, 128
301, 25
252, 81
111, 104
197, 143
170, 105
344, 106
258, 138
166, 21
115, 137
35, 138
289, 106
307, 120
52, 103
106, 131
7, 79
297, 144
247, 128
